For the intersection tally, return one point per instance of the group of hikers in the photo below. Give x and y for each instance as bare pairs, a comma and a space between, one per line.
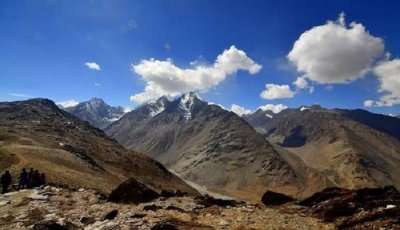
30, 179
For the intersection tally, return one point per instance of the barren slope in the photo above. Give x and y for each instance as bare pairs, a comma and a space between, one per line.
214, 148
36, 133
353, 148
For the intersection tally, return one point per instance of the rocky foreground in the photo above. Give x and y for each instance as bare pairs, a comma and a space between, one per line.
60, 208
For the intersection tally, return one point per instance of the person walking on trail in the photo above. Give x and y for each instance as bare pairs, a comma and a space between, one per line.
42, 179
36, 178
30, 177
6, 180
23, 179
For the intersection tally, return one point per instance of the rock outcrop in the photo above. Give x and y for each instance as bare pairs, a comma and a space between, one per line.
364, 208
273, 198
132, 191
86, 209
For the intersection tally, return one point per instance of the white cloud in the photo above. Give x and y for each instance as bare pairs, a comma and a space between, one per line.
388, 74
301, 83
274, 108
68, 103
165, 78
239, 110
335, 52
222, 107
93, 66
368, 103
97, 84
273, 91
127, 109
20, 95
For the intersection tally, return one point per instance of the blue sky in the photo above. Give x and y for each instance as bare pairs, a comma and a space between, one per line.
45, 45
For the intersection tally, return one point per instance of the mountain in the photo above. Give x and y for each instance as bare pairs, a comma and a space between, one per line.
352, 148
36, 133
259, 117
213, 147
96, 112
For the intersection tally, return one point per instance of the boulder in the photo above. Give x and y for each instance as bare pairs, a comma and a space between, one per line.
324, 195
208, 201
111, 215
274, 198
53, 225
363, 208
174, 224
132, 191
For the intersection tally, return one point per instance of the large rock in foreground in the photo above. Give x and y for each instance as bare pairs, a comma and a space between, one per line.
363, 208
274, 198
132, 191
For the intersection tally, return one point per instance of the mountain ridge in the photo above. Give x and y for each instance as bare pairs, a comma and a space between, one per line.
212, 147
96, 112
36, 133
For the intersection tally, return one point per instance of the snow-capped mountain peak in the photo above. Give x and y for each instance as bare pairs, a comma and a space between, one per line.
158, 106
186, 103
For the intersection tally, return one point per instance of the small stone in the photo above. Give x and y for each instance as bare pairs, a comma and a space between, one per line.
35, 196
4, 203
111, 215
87, 220
390, 206
223, 222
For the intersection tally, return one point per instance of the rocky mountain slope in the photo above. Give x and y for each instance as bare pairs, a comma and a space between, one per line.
96, 112
352, 148
36, 133
213, 147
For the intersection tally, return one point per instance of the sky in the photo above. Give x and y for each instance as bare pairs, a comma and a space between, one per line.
242, 55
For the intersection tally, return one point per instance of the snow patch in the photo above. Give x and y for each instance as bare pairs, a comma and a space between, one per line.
269, 115
157, 107
303, 108
186, 104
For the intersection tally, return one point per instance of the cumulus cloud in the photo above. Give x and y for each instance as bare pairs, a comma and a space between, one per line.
274, 108
273, 91
368, 103
93, 66
388, 74
68, 103
239, 110
301, 83
335, 52
165, 78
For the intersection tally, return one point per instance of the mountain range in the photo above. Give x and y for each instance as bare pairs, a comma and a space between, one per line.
213, 147
297, 151
352, 148
96, 112
37, 133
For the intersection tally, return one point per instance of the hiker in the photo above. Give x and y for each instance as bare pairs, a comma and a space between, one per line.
6, 180
36, 179
30, 177
42, 179
23, 179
